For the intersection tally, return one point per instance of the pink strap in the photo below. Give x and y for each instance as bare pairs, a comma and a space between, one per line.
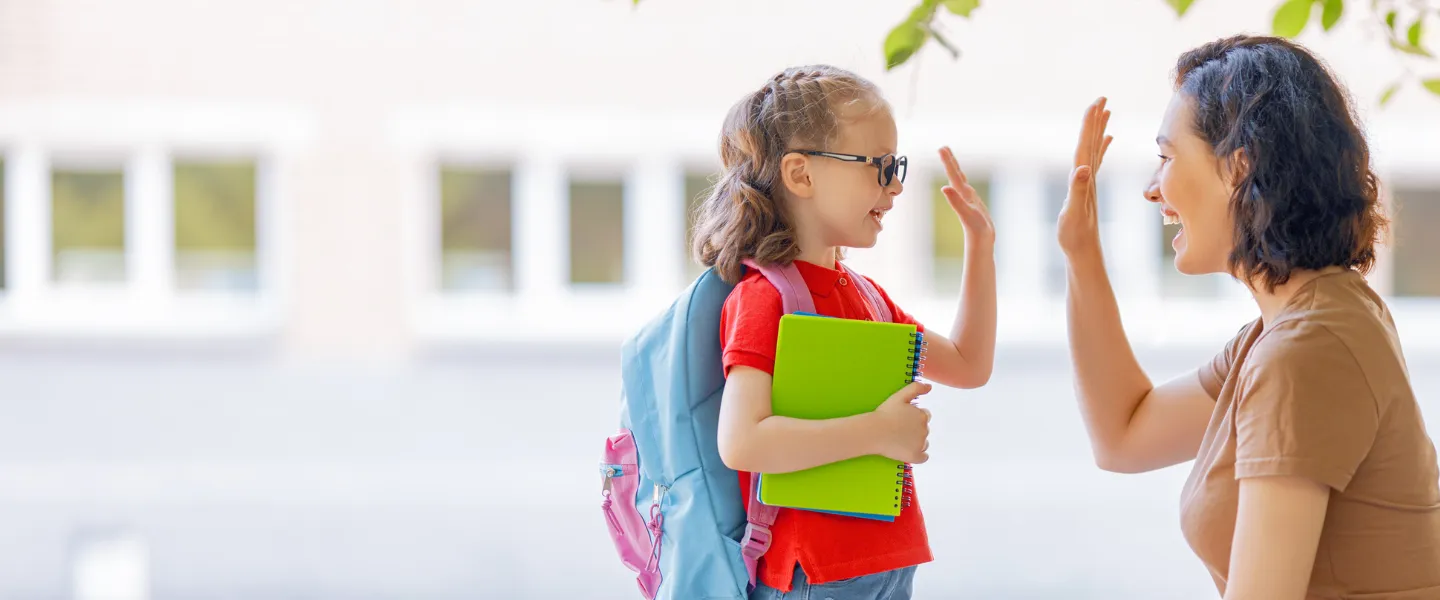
759, 517
794, 295
879, 311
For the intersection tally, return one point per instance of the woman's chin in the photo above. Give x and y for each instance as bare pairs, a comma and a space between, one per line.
1187, 265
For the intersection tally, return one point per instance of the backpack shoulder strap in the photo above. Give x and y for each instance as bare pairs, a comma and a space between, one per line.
760, 517
794, 295
879, 311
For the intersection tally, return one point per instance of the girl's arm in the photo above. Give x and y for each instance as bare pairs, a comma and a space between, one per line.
753, 439
966, 358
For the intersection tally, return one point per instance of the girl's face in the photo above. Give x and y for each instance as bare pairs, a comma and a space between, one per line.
1193, 189
844, 204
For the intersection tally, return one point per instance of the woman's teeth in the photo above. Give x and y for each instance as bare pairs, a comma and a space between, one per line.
1171, 219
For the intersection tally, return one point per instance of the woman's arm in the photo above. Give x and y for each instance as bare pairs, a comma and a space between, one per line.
1277, 531
967, 357
1133, 425
753, 439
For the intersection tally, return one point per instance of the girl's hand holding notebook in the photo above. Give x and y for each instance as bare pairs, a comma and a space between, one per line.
903, 429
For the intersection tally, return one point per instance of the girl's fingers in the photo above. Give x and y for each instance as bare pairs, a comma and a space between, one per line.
952, 167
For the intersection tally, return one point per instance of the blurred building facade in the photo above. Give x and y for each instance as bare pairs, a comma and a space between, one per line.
334, 186
361, 181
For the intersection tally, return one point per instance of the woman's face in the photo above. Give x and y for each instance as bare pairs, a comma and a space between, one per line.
1193, 189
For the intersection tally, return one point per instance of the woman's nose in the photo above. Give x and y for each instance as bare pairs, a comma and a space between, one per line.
1152, 191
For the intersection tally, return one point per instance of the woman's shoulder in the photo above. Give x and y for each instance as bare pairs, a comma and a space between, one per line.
1334, 337
1340, 312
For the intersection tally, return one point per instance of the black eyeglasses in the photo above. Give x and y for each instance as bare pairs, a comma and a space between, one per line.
890, 167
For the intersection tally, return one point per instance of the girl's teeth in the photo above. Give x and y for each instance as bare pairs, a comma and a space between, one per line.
1171, 220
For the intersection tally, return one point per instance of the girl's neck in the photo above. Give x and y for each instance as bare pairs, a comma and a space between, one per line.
812, 252
808, 235
819, 256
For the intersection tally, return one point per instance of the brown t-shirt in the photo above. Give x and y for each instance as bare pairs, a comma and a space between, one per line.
1323, 393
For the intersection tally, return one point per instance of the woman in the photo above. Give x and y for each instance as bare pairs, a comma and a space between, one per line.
1313, 474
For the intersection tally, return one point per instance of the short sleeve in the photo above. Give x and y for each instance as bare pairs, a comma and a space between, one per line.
900, 315
1304, 408
750, 326
1213, 374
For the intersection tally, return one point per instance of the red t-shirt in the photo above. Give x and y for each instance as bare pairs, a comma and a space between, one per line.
828, 547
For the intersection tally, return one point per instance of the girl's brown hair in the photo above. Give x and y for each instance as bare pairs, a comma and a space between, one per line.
744, 215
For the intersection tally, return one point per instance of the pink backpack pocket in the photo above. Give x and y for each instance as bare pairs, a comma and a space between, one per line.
628, 529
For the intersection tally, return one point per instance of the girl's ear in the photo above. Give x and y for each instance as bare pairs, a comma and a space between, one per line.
795, 175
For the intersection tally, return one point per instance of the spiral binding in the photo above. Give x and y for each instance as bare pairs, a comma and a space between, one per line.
915, 367
905, 486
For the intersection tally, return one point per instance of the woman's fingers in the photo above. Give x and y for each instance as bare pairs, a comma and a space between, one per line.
1099, 139
1079, 187
1103, 149
1082, 147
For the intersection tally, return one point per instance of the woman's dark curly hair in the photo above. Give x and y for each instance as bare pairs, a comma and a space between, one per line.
1305, 195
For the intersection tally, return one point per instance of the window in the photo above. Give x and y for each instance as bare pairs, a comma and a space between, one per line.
597, 232
215, 226
475, 230
949, 236
87, 219
1417, 215
696, 188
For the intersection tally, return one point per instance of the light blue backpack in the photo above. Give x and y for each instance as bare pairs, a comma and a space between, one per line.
673, 508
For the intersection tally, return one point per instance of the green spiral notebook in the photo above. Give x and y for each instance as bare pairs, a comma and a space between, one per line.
827, 368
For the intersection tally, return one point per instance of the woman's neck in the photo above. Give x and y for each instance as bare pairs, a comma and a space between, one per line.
1272, 302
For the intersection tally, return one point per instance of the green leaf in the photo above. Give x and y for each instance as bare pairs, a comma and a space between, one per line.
1333, 10
1390, 20
1291, 17
923, 12
1389, 93
1433, 85
1416, 30
1416, 50
902, 43
1180, 6
961, 7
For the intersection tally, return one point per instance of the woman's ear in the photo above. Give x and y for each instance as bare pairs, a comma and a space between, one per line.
795, 175
1237, 166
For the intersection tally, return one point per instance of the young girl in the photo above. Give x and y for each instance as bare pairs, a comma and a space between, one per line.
809, 168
